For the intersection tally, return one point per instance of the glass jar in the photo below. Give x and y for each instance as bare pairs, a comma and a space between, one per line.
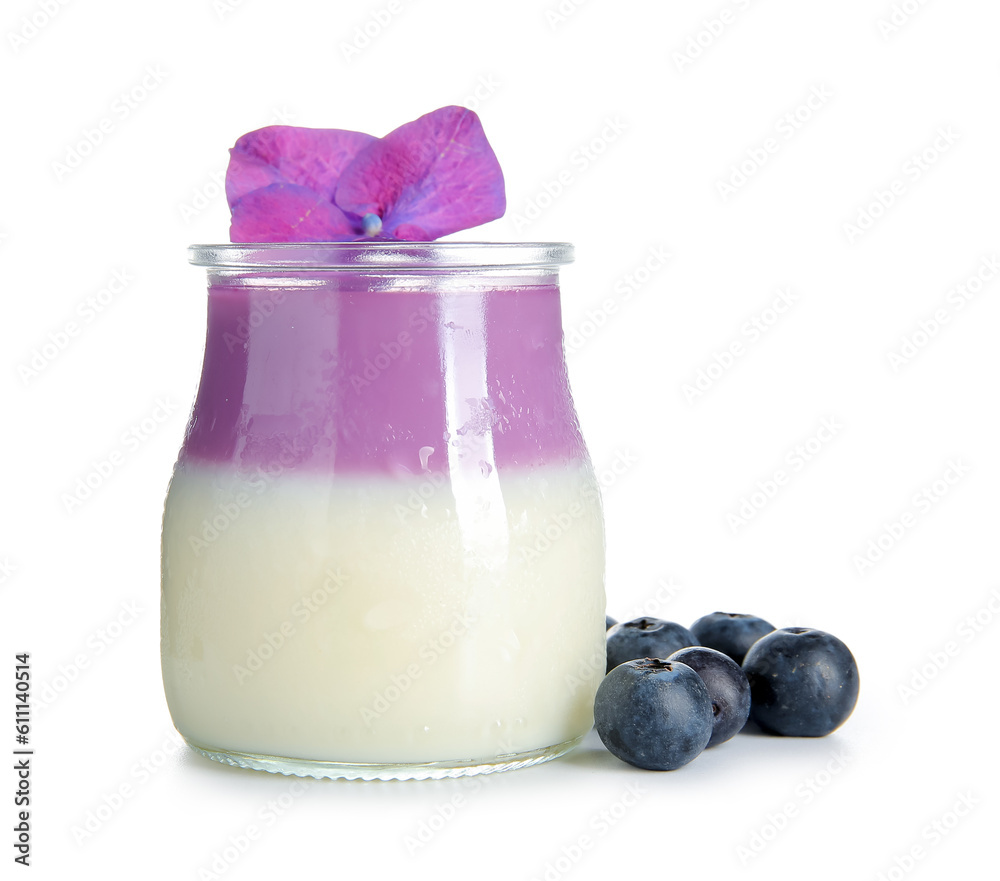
383, 544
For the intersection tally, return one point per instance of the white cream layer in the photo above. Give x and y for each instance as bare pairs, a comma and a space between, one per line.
378, 620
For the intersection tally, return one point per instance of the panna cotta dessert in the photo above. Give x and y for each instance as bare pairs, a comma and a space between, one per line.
383, 546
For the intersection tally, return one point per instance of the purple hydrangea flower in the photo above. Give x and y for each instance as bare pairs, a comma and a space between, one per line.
428, 178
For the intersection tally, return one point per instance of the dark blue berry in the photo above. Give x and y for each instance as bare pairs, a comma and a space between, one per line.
646, 638
609, 622
727, 687
731, 633
803, 682
653, 714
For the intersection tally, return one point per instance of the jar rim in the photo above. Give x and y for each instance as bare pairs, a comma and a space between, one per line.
383, 256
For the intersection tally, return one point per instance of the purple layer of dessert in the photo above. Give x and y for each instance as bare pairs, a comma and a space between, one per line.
333, 376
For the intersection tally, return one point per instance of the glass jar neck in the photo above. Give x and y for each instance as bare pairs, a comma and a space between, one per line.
383, 256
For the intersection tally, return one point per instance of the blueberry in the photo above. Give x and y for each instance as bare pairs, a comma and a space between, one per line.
646, 638
727, 687
731, 633
803, 682
653, 714
609, 622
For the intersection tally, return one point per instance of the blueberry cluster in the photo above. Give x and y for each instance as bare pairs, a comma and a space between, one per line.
671, 691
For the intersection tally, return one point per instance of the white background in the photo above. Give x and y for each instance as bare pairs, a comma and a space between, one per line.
662, 131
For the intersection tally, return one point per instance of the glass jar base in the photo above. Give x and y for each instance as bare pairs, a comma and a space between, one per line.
401, 771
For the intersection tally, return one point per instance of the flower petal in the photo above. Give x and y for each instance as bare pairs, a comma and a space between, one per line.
428, 178
285, 212
308, 157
